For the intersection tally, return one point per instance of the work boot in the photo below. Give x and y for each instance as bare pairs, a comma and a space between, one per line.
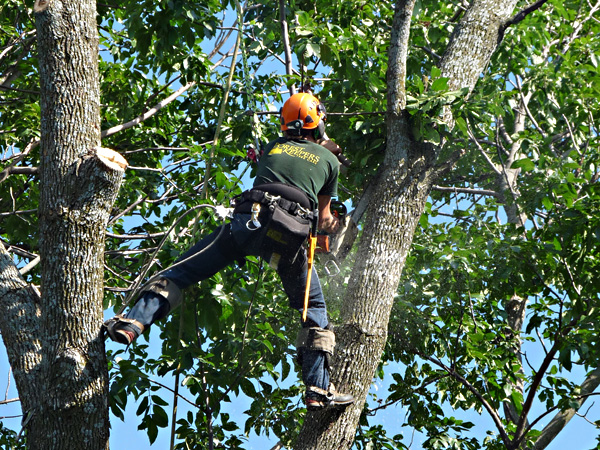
319, 399
123, 330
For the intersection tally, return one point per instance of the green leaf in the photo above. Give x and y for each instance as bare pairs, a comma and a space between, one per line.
160, 417
439, 84
525, 163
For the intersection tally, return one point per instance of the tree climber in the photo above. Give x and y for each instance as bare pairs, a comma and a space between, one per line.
291, 195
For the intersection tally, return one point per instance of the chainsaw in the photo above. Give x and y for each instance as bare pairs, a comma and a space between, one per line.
339, 211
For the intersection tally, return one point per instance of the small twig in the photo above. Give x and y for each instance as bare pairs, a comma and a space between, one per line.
18, 158
136, 236
162, 149
23, 91
488, 407
429, 52
481, 150
135, 251
466, 191
7, 383
24, 422
177, 375
524, 103
372, 411
584, 416
285, 37
537, 330
207, 407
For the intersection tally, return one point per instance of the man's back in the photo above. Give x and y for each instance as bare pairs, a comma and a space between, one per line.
300, 163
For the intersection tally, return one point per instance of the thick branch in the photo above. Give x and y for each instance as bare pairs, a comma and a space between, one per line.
397, 56
519, 432
285, 37
17, 170
562, 418
19, 325
466, 191
522, 14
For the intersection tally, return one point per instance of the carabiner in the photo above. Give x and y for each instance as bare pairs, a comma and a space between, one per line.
254, 217
328, 271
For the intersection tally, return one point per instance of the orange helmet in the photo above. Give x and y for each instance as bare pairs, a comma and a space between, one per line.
302, 110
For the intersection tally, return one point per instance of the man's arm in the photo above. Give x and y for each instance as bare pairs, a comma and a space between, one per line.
331, 146
327, 222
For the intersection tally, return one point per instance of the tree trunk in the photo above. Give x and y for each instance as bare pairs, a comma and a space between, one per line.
408, 173
58, 350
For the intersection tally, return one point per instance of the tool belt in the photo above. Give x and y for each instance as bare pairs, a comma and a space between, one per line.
282, 217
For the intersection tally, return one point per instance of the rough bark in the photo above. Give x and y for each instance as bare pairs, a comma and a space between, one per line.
475, 40
19, 325
55, 345
409, 171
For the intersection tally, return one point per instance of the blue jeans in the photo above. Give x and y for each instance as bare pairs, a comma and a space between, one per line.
222, 248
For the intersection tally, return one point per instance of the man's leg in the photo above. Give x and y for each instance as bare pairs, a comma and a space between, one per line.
162, 294
157, 298
315, 341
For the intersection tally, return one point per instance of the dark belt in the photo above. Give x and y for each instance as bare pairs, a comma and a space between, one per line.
243, 203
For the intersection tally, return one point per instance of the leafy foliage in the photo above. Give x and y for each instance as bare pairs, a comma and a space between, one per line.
514, 224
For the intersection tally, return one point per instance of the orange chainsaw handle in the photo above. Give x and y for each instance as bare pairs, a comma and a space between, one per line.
312, 244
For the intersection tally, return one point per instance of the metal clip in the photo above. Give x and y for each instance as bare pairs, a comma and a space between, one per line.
272, 198
328, 271
303, 212
254, 217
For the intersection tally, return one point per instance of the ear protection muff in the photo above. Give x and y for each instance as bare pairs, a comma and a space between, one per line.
295, 126
320, 130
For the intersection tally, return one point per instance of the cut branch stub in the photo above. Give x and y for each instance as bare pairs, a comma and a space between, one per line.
40, 5
111, 158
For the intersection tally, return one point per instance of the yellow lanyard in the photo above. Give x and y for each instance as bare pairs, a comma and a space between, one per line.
312, 244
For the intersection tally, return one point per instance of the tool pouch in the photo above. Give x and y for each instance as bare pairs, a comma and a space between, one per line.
282, 234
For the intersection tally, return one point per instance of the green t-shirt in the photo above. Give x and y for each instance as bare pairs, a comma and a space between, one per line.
301, 163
